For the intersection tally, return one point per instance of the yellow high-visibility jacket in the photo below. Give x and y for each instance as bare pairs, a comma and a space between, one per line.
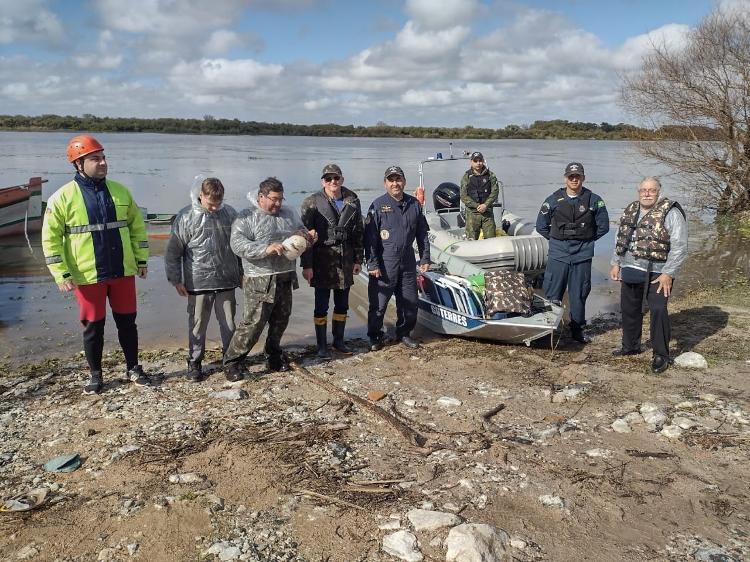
72, 245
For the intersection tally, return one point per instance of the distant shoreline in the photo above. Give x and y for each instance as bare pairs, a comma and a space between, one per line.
539, 130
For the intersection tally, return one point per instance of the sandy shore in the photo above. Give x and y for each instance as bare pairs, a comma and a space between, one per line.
565, 453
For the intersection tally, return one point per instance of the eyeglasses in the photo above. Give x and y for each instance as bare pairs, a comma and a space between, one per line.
394, 178
328, 179
648, 191
273, 199
574, 177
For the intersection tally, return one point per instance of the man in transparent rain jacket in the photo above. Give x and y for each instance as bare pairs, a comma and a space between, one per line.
202, 267
260, 236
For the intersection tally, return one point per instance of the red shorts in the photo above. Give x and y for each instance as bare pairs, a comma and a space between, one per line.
92, 299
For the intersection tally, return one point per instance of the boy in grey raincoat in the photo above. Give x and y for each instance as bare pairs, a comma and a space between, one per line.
202, 267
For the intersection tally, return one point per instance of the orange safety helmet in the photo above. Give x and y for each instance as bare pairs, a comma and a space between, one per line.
82, 145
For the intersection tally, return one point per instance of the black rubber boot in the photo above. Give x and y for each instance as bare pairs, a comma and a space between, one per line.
127, 333
338, 337
320, 335
93, 344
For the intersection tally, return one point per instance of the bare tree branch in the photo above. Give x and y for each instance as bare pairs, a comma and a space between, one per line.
698, 99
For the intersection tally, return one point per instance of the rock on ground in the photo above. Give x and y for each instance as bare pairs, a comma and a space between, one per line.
476, 542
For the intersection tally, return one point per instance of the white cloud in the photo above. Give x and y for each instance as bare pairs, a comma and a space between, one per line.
631, 53
739, 7
428, 46
219, 77
155, 58
429, 14
29, 22
168, 17
426, 98
221, 41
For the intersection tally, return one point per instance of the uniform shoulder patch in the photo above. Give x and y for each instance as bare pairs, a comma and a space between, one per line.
600, 204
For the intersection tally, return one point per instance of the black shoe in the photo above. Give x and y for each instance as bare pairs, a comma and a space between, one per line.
580, 336
376, 345
659, 364
233, 372
410, 343
95, 384
277, 364
341, 347
137, 376
195, 371
623, 352
323, 353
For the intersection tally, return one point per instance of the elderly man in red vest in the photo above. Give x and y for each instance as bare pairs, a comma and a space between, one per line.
651, 246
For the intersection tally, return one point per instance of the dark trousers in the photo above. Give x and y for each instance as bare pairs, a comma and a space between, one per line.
576, 278
380, 291
323, 297
631, 302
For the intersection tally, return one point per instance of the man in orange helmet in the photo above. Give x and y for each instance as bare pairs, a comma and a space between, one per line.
94, 242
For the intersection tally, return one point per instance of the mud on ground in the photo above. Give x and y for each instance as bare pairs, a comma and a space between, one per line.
281, 467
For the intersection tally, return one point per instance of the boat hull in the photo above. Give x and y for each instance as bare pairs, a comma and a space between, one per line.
516, 330
21, 208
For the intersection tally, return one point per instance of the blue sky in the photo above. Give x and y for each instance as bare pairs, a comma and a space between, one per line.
405, 62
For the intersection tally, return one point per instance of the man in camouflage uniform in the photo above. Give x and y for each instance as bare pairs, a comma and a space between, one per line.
269, 278
335, 214
651, 246
479, 192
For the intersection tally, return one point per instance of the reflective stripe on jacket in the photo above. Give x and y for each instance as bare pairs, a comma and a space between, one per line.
74, 247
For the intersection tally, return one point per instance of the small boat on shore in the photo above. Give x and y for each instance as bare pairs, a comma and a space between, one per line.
453, 299
21, 208
449, 305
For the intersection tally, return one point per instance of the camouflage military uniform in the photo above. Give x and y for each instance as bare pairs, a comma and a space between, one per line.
475, 190
268, 282
267, 300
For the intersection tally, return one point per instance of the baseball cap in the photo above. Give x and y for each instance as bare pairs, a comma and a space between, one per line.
475, 155
331, 169
574, 168
394, 171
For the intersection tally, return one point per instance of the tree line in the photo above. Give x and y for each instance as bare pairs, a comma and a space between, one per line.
209, 125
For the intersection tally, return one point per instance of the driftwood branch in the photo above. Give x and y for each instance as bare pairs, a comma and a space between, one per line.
411, 436
330, 499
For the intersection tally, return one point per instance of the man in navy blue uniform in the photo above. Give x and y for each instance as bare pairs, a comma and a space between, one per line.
394, 221
572, 218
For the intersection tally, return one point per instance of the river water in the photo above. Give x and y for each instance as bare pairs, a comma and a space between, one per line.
36, 320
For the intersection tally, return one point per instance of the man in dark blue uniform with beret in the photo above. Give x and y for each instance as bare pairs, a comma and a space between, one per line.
394, 221
572, 218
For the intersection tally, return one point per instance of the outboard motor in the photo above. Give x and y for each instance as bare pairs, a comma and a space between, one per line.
446, 196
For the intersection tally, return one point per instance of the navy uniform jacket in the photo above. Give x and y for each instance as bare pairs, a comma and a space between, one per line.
572, 251
391, 227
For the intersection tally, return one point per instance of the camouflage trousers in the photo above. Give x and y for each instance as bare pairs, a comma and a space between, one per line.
268, 300
476, 223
